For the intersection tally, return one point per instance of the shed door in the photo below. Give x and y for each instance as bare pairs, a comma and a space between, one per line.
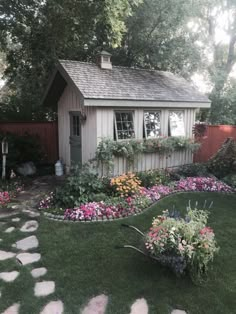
75, 138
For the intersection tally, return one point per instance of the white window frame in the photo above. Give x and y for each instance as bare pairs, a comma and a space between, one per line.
144, 123
115, 124
179, 132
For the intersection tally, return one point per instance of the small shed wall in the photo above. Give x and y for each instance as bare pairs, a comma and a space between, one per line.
70, 101
105, 126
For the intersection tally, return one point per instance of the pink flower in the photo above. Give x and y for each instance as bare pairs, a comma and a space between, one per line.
206, 230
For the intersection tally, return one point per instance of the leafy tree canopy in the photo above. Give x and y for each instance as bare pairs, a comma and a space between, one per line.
178, 36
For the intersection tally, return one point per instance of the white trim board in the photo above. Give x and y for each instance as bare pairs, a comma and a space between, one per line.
143, 104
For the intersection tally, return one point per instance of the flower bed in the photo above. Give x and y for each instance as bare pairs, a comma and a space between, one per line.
4, 198
119, 207
202, 184
8, 191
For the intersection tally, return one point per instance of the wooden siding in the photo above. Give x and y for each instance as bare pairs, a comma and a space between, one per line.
105, 117
70, 101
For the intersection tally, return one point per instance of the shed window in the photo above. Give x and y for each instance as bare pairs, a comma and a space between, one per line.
124, 125
76, 125
152, 124
176, 123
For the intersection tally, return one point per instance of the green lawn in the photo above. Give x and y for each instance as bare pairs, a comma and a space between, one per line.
83, 262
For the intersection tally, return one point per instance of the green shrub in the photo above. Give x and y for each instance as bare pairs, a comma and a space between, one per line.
79, 187
154, 177
193, 170
222, 163
98, 197
22, 148
230, 179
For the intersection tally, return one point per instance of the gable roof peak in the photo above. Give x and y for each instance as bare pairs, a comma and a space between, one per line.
104, 53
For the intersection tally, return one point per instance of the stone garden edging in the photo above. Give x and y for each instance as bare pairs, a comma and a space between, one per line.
60, 218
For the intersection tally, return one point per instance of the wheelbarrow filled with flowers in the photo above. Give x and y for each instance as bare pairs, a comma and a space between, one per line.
184, 244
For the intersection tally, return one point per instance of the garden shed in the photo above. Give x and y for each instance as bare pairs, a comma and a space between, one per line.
97, 101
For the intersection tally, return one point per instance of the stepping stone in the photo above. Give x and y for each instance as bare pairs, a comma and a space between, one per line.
30, 226
53, 307
38, 272
31, 213
14, 309
15, 219
44, 288
139, 307
28, 258
5, 255
10, 229
16, 206
9, 276
27, 243
178, 312
96, 305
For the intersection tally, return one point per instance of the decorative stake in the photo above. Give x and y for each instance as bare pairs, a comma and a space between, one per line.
4, 156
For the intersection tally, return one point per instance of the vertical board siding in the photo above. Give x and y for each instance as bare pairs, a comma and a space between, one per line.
147, 161
100, 124
213, 140
70, 101
46, 132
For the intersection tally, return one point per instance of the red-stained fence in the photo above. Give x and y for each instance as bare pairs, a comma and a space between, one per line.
212, 141
46, 131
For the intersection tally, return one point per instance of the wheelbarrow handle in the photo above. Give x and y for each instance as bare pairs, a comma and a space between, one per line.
134, 228
138, 250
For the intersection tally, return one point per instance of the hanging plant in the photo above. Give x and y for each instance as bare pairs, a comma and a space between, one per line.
199, 129
108, 149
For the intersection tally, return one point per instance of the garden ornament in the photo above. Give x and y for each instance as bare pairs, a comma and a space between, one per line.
59, 168
175, 262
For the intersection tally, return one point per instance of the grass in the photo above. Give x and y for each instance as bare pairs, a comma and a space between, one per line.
81, 258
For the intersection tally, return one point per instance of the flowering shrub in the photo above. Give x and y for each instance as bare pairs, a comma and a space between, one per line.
202, 184
126, 184
8, 190
4, 198
48, 201
183, 244
154, 177
156, 192
116, 208
95, 210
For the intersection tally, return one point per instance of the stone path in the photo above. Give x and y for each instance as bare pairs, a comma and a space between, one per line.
6, 255
96, 305
9, 276
43, 288
27, 243
140, 306
14, 309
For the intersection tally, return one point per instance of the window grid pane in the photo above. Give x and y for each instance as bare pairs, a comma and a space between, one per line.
124, 125
152, 124
76, 126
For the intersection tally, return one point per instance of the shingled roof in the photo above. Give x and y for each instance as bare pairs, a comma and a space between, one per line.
123, 83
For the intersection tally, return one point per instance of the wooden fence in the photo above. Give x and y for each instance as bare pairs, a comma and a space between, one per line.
46, 131
212, 141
